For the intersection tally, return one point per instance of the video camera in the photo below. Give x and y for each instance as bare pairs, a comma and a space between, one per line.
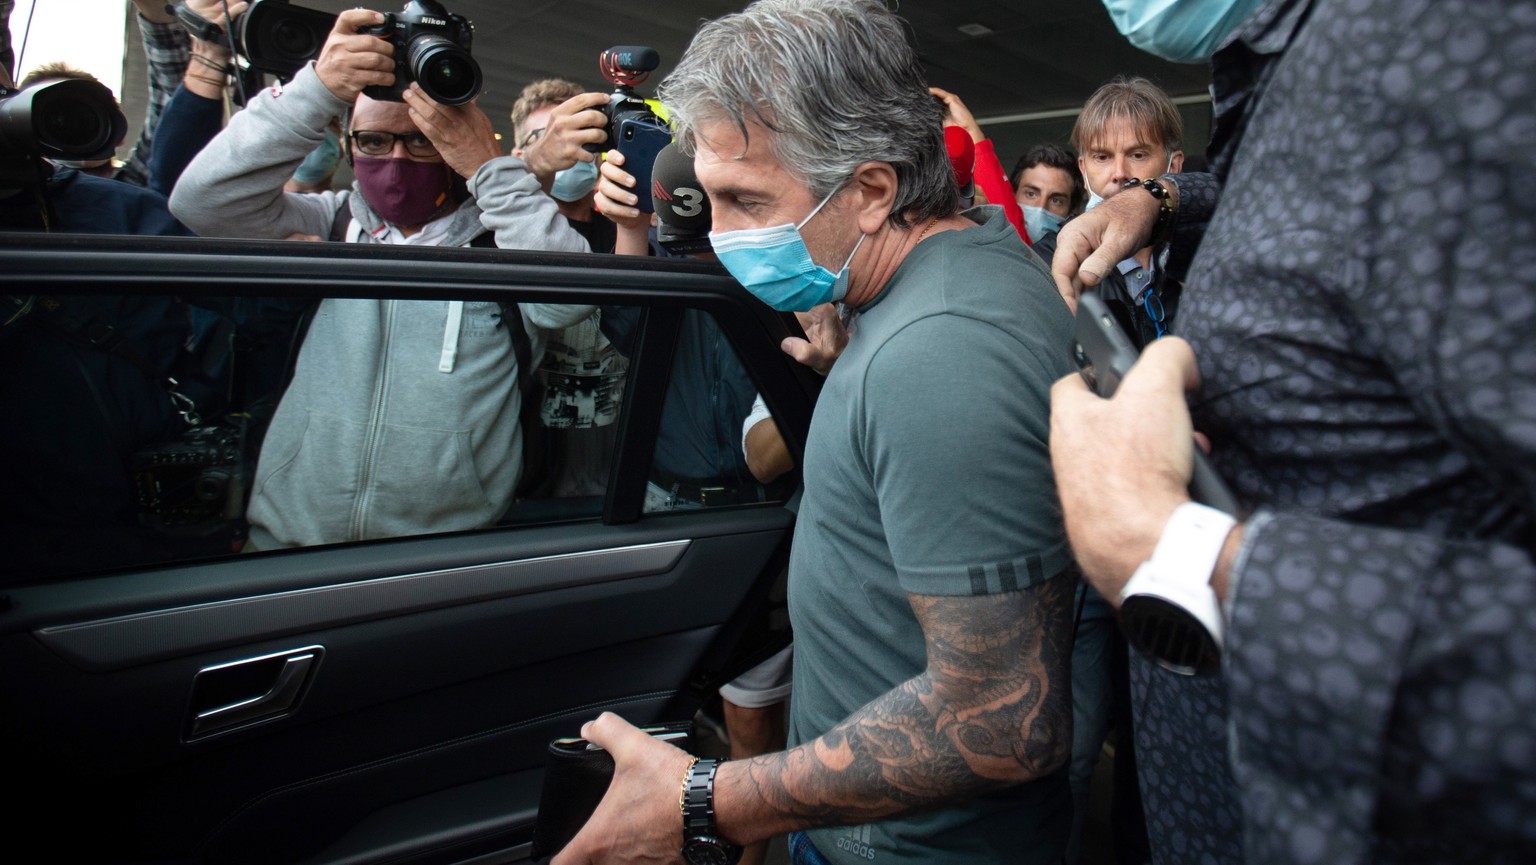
69, 119
634, 128
272, 35
431, 46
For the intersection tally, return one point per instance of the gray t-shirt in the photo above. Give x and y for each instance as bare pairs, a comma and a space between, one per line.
927, 471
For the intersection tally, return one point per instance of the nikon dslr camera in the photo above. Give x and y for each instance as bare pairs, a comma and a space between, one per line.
432, 49
431, 46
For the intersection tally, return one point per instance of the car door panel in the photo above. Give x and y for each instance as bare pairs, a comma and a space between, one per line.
452, 687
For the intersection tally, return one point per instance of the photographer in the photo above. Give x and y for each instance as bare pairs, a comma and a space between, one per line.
195, 112
165, 53
427, 174
551, 120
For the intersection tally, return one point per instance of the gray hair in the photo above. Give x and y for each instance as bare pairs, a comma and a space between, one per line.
838, 85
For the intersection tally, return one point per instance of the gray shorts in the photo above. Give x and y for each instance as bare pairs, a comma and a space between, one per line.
763, 685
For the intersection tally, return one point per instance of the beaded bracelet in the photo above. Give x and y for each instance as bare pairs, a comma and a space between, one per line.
1162, 229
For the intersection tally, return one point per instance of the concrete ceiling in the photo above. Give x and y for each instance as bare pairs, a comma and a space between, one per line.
1023, 78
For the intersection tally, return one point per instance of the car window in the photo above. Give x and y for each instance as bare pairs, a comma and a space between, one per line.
158, 429
700, 460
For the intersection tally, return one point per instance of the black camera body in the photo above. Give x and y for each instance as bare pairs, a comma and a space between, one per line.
69, 119
625, 66
195, 485
633, 128
432, 49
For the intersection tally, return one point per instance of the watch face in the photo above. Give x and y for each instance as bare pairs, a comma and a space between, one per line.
705, 850
1170, 636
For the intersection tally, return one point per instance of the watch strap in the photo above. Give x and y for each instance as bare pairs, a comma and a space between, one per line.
702, 845
1169, 612
699, 798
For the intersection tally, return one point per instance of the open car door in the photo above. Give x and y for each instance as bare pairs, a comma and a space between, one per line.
385, 700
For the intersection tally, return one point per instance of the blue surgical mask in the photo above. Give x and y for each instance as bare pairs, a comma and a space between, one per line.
1040, 221
576, 182
1181, 31
775, 265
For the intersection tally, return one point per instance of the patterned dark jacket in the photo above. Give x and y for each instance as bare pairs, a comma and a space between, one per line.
1362, 305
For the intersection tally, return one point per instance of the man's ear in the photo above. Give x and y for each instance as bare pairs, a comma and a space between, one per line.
1176, 162
874, 184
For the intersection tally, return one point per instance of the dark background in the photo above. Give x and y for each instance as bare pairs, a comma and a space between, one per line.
1024, 79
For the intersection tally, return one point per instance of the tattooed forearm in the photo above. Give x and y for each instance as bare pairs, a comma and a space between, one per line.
993, 708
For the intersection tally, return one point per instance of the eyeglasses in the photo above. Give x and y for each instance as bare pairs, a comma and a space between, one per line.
371, 143
532, 136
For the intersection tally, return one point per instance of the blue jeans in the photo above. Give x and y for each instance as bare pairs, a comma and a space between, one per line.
803, 852
1091, 648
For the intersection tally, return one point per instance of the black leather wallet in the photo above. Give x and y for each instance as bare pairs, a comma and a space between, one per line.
576, 776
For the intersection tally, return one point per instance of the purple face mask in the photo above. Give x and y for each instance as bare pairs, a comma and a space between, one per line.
403, 191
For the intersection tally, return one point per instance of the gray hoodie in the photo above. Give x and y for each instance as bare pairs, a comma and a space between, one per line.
402, 417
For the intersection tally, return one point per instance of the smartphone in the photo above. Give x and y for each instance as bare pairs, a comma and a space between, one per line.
1104, 354
640, 139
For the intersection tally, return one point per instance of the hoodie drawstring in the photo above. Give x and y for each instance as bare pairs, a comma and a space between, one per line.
451, 336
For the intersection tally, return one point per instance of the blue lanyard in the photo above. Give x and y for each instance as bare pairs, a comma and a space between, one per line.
1154, 307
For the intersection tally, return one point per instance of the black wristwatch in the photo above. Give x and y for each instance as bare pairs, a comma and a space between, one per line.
702, 844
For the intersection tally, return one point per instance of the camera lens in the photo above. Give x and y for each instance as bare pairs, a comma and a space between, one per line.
69, 123
71, 126
295, 39
281, 38
444, 70
211, 486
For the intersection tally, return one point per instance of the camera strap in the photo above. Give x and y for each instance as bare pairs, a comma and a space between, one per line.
84, 322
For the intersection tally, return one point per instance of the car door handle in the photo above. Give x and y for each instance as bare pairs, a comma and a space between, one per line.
275, 683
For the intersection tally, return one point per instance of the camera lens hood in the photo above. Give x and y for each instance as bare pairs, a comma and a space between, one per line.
69, 119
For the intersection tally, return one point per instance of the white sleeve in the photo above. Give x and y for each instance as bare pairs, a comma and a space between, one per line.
759, 413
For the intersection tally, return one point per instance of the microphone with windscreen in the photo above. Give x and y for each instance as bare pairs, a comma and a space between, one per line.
682, 209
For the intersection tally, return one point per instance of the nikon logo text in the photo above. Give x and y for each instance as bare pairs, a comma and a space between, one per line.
435, 22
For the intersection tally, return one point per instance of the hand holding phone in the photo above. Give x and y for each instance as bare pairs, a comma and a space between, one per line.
1104, 354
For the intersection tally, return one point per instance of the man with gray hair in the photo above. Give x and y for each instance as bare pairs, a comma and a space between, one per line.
928, 585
